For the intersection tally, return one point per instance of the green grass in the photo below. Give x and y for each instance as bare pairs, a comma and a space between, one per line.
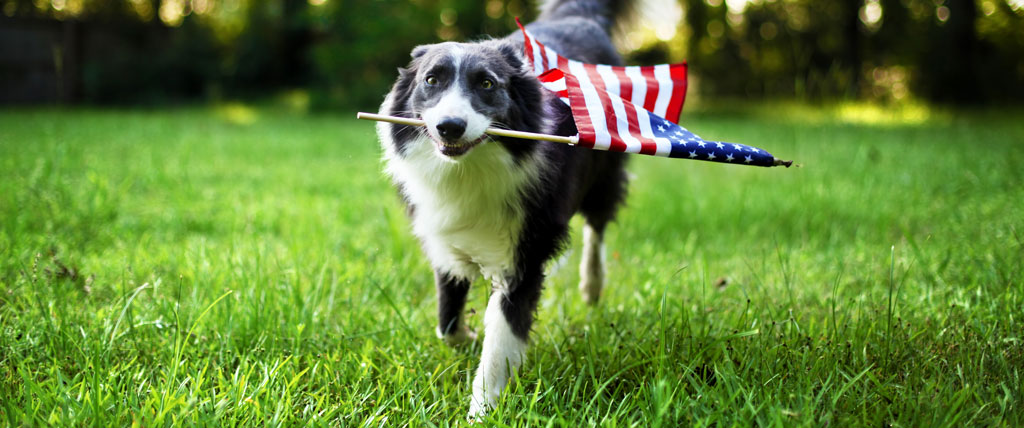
230, 266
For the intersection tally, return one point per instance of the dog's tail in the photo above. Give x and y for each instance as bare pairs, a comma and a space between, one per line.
604, 12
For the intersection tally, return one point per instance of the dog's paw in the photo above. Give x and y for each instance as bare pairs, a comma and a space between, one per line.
591, 279
461, 336
477, 411
590, 288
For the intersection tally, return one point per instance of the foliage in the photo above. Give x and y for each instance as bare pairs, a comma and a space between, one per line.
951, 51
240, 266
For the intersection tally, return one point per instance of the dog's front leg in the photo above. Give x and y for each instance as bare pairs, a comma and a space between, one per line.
506, 329
451, 299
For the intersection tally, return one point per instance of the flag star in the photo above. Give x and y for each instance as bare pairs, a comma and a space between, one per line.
747, 159
720, 145
681, 141
711, 156
661, 128
693, 154
679, 133
666, 122
738, 147
728, 157
755, 150
701, 144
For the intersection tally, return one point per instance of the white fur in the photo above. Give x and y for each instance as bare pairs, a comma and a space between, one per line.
503, 353
462, 334
591, 265
468, 217
454, 104
466, 213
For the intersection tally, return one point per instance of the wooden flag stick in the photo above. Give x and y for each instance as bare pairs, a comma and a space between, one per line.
493, 131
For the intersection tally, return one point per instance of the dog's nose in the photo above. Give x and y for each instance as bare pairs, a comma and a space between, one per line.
451, 128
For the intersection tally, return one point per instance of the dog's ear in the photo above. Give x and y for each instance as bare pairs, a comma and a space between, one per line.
524, 90
418, 51
512, 55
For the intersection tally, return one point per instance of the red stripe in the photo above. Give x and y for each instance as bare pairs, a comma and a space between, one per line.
675, 105
580, 115
563, 64
529, 46
647, 146
652, 87
625, 84
543, 55
616, 144
551, 76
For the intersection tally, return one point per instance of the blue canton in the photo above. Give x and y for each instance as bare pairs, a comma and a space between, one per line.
688, 145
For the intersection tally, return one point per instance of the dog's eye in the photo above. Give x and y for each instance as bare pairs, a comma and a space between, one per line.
486, 84
431, 80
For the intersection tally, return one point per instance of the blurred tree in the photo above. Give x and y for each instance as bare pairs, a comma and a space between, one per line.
354, 56
952, 56
346, 51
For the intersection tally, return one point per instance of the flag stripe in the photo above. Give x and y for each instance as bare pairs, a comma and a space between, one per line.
625, 86
624, 113
553, 58
664, 145
544, 57
661, 75
651, 83
631, 109
537, 64
528, 45
592, 78
598, 131
678, 74
639, 84
625, 83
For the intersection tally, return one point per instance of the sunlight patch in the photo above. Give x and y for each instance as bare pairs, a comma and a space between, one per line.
873, 114
237, 113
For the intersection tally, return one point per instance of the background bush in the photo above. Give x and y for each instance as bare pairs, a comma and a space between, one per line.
345, 51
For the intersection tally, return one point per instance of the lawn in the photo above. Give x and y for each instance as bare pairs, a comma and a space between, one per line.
252, 266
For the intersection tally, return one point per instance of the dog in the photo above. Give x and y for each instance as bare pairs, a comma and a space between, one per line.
500, 207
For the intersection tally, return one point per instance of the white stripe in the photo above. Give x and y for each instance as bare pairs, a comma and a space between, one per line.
557, 86
639, 87
643, 118
552, 58
538, 66
664, 76
593, 103
663, 145
611, 83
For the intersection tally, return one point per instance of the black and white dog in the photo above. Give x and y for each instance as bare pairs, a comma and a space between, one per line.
500, 207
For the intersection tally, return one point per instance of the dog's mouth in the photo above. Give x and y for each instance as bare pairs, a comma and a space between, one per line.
456, 148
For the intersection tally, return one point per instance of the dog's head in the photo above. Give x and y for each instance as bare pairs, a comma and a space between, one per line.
461, 89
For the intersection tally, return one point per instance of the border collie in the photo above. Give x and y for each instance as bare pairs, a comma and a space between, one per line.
500, 207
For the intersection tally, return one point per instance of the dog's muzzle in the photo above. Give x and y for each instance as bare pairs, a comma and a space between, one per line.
450, 130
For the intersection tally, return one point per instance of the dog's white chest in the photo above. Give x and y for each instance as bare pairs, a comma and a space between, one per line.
467, 214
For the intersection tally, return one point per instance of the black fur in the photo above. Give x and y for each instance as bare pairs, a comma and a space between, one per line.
586, 181
451, 298
577, 179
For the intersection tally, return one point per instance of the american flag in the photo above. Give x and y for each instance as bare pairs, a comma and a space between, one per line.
631, 109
